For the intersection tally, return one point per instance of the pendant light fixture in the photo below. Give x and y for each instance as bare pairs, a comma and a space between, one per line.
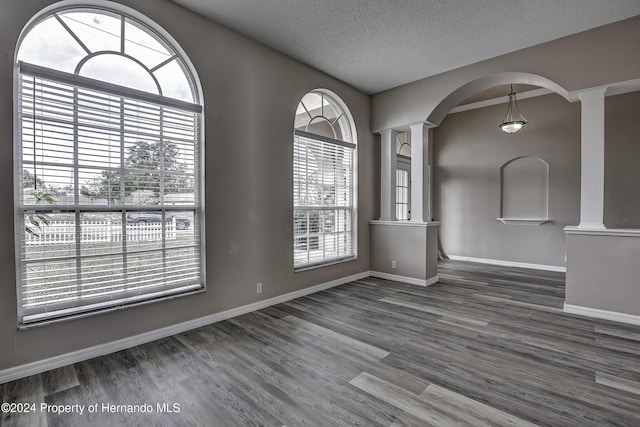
512, 123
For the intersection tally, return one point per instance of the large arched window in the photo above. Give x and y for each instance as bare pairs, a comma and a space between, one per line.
324, 181
108, 176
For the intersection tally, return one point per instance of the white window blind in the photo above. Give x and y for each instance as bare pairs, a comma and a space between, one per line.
323, 187
108, 196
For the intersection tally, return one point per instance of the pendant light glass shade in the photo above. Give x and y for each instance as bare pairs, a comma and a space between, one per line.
513, 120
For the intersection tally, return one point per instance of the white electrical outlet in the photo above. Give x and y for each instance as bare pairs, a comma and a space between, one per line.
393, 264
259, 288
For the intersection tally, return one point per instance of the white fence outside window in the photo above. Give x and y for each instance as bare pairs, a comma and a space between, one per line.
60, 232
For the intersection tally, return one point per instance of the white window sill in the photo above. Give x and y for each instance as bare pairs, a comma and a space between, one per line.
323, 264
523, 221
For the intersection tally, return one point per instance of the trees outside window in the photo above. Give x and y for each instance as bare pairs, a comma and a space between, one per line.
149, 167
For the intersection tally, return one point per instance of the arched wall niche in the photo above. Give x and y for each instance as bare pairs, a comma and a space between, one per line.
524, 190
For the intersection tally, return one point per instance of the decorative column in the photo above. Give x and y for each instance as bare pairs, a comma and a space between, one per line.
421, 153
592, 159
405, 251
388, 175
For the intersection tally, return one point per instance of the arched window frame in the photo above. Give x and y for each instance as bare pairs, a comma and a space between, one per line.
319, 236
51, 311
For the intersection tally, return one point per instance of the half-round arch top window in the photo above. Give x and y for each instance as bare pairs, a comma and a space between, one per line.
324, 181
110, 47
320, 114
108, 165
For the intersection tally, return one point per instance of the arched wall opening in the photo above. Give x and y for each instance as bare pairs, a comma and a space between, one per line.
469, 154
478, 85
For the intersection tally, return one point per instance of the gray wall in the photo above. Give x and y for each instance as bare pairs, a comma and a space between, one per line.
592, 58
599, 274
413, 247
622, 154
469, 150
251, 93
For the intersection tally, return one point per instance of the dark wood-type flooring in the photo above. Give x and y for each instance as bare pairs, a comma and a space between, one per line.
486, 346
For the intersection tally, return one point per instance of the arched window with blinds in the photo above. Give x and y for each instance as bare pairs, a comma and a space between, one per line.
324, 181
108, 174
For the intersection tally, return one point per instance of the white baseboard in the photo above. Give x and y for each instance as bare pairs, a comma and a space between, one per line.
404, 279
40, 366
602, 314
509, 263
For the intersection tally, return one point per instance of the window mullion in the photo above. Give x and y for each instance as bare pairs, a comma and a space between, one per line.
76, 194
306, 169
123, 181
307, 179
163, 63
308, 233
161, 192
35, 169
122, 35
123, 194
72, 34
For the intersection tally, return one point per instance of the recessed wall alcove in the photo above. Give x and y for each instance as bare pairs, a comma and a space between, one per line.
524, 189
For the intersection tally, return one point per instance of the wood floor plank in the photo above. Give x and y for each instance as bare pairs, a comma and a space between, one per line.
226, 384
617, 332
289, 376
445, 313
26, 390
353, 365
538, 377
526, 374
510, 301
323, 333
400, 398
630, 347
619, 383
471, 412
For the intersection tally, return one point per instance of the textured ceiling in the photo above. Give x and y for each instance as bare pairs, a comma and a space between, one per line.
379, 44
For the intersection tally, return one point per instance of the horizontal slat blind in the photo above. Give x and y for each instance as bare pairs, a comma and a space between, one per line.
120, 219
323, 200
